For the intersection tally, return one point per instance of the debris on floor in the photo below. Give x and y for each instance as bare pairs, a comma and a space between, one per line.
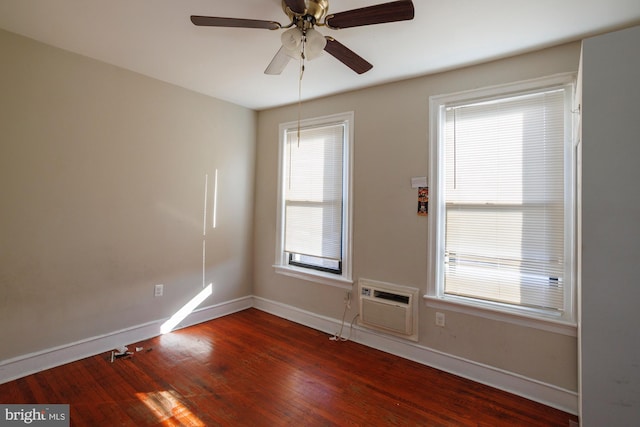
124, 353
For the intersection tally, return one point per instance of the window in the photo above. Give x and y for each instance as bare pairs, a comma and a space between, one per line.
502, 175
314, 199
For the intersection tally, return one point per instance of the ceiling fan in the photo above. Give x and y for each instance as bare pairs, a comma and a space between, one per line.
303, 41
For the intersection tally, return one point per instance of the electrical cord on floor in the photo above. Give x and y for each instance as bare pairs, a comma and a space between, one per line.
338, 336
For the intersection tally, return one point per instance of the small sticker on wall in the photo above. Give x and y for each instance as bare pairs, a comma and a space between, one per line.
423, 201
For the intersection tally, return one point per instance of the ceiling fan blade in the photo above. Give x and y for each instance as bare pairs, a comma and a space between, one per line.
296, 6
214, 21
347, 56
387, 12
278, 63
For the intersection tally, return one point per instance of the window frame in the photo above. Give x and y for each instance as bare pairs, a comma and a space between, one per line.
343, 279
435, 296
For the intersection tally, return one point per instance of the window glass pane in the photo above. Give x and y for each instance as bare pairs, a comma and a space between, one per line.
504, 238
313, 188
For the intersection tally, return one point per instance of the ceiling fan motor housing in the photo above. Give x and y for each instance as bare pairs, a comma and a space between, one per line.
316, 9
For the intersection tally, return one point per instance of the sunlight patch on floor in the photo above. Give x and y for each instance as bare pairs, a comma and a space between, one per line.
168, 409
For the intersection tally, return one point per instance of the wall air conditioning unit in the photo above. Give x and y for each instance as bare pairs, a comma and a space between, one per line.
388, 308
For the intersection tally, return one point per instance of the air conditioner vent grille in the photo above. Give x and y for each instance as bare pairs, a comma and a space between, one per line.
391, 296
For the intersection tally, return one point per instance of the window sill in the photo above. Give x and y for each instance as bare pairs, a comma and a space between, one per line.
558, 326
315, 276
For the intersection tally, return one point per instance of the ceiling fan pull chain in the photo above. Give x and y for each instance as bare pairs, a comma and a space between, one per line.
304, 39
300, 98
303, 45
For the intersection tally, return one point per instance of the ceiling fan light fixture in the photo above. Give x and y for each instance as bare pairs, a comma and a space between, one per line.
293, 39
315, 44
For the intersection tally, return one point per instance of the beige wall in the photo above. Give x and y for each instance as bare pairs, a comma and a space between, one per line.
390, 240
102, 176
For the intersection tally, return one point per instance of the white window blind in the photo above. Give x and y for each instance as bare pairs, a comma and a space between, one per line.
504, 200
313, 191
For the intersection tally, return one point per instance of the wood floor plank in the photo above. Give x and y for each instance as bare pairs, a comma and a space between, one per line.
254, 369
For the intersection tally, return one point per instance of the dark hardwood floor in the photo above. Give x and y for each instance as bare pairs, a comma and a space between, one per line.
255, 369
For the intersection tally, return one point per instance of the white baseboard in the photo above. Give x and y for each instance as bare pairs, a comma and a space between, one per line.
21, 366
538, 391
535, 390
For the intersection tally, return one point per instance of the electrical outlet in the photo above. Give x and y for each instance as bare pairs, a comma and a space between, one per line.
158, 290
347, 299
440, 319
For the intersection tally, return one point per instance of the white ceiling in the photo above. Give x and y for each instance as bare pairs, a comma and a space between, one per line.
156, 38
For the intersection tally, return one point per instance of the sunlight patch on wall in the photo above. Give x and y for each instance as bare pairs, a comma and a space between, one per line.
186, 310
215, 200
206, 193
